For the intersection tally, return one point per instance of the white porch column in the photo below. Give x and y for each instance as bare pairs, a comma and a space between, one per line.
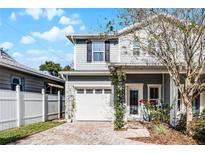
202, 101
173, 99
18, 106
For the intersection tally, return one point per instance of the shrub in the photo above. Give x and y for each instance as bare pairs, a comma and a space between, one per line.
198, 131
160, 129
197, 127
181, 124
156, 114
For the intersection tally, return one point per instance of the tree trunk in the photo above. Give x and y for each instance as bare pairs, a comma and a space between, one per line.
189, 117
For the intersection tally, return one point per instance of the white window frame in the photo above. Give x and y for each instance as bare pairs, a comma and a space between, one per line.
98, 51
179, 99
159, 86
135, 47
17, 77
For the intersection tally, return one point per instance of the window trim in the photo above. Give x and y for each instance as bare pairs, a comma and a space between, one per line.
159, 86
134, 48
21, 82
106, 91
100, 90
88, 91
83, 91
17, 77
179, 99
93, 42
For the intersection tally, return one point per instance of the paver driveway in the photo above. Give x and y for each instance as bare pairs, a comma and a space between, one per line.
82, 133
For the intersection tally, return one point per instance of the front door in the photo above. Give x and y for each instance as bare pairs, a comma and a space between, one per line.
133, 101
134, 93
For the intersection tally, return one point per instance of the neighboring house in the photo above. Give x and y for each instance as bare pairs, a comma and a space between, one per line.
13, 73
91, 87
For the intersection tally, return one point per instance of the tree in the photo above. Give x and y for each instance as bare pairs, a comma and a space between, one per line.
175, 38
67, 68
51, 67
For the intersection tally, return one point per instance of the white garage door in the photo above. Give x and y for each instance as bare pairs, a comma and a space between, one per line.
94, 104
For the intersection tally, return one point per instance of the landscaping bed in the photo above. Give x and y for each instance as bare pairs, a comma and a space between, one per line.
12, 135
169, 137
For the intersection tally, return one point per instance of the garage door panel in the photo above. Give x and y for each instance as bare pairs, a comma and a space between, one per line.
93, 107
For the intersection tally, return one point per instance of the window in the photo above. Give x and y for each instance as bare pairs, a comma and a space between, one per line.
196, 105
151, 46
98, 91
107, 91
15, 80
136, 48
89, 91
80, 91
98, 51
179, 101
154, 94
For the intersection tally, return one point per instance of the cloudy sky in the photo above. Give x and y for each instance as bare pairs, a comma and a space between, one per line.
33, 36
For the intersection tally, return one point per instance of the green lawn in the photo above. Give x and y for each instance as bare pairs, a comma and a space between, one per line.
11, 135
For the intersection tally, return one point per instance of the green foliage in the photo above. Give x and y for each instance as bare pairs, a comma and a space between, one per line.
73, 108
15, 134
67, 68
198, 130
197, 127
157, 115
160, 129
51, 67
118, 79
181, 124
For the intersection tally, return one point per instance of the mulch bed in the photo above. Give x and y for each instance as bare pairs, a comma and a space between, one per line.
171, 137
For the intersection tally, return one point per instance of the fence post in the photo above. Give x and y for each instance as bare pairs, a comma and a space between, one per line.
59, 105
18, 105
43, 105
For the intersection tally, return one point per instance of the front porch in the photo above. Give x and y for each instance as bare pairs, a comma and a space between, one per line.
151, 87
153, 83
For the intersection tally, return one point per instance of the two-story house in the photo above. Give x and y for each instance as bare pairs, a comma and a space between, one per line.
91, 86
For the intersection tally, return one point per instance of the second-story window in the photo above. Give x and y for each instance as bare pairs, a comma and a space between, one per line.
98, 51
136, 48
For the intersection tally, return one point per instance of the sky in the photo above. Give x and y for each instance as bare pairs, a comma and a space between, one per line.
32, 36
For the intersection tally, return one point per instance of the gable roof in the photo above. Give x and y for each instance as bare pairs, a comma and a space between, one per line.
7, 61
126, 30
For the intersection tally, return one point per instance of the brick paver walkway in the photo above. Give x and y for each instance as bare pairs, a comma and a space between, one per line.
84, 133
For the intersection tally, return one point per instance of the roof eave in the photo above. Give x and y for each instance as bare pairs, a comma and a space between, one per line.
31, 72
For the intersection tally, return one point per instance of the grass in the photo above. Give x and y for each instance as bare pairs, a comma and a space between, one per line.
11, 135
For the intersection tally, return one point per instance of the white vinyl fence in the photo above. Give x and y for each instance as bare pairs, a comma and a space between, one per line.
20, 108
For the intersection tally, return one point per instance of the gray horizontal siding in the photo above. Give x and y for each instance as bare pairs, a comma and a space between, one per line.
166, 88
145, 79
81, 56
89, 78
86, 80
31, 83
